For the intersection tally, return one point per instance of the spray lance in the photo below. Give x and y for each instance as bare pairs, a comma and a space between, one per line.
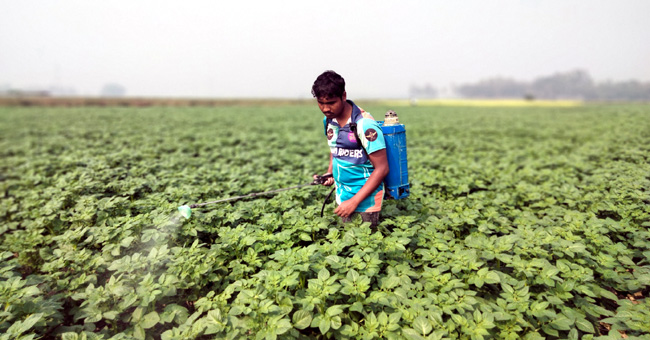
186, 210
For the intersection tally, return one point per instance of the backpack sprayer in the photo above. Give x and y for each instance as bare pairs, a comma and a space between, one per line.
396, 182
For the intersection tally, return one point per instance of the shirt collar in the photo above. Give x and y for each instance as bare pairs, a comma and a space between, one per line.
348, 122
353, 116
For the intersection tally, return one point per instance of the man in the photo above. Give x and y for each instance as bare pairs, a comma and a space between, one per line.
358, 166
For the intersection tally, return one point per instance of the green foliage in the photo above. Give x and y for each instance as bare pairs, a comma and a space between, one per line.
522, 223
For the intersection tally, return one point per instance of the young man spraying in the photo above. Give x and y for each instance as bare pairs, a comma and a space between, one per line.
358, 166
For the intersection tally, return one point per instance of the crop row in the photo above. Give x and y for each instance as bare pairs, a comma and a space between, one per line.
522, 223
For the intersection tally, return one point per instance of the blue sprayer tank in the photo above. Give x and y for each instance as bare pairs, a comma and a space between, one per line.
397, 180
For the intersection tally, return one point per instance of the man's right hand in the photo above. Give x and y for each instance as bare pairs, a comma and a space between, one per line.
329, 181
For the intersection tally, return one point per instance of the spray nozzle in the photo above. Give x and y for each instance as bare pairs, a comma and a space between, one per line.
185, 211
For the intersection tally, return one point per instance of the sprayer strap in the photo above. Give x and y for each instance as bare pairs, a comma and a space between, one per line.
353, 127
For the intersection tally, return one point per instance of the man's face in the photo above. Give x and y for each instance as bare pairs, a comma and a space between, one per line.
331, 107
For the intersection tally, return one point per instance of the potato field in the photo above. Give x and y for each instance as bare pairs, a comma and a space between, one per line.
522, 223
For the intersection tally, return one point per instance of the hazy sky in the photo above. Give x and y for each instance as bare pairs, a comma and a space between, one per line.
242, 48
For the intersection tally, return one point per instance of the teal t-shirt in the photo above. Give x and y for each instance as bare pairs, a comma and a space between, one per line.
351, 167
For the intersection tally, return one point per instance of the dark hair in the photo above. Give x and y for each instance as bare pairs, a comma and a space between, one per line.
328, 85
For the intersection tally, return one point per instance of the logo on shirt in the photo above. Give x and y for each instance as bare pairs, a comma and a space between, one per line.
371, 135
351, 137
341, 152
330, 133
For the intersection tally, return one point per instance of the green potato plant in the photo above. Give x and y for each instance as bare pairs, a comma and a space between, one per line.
522, 223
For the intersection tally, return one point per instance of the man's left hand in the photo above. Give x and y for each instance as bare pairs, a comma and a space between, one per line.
346, 208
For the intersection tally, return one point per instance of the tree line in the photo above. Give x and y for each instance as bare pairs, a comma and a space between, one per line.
577, 84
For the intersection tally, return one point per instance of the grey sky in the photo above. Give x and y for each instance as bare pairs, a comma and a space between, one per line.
277, 48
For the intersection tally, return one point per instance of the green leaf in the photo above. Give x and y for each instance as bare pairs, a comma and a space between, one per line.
324, 326
492, 278
336, 322
459, 319
248, 240
174, 312
394, 318
236, 310
214, 322
356, 307
352, 275
126, 242
574, 248
323, 274
150, 320
305, 237
382, 318
20, 327
550, 330
316, 320
626, 260
533, 336
507, 288
573, 334
136, 316
69, 336
422, 325
302, 319
350, 330
283, 326
411, 334
215, 316
139, 332
110, 315
334, 310
390, 282
562, 323
333, 260
585, 326
607, 294
266, 334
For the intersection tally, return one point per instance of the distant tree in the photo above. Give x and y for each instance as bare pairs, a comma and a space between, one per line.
629, 90
494, 88
576, 84
573, 84
113, 90
427, 91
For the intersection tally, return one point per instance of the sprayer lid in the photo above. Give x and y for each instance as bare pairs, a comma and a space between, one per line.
391, 118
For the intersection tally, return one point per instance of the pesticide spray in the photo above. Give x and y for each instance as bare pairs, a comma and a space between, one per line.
174, 222
166, 226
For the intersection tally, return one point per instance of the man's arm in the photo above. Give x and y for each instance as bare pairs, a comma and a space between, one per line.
331, 167
380, 162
